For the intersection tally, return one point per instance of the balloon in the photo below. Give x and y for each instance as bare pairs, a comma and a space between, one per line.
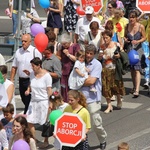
21, 145
80, 11
54, 115
41, 41
44, 3
133, 57
37, 28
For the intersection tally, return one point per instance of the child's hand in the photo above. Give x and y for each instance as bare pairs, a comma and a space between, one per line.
26, 72
82, 75
84, 139
54, 135
27, 92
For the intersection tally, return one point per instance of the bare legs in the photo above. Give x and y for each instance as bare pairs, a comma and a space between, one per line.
109, 106
32, 128
55, 30
136, 79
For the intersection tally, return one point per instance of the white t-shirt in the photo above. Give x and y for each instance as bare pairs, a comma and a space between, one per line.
7, 83
22, 60
95, 40
2, 60
39, 86
27, 22
3, 139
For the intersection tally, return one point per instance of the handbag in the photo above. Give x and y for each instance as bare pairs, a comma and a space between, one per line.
47, 129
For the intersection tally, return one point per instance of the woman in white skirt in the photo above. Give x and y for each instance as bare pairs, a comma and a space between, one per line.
40, 88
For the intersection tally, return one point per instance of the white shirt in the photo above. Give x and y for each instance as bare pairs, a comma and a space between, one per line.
2, 60
95, 40
22, 60
82, 27
7, 83
39, 86
27, 22
3, 139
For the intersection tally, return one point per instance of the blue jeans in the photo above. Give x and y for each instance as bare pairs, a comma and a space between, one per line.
15, 22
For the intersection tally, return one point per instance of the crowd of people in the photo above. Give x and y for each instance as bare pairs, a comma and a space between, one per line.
74, 73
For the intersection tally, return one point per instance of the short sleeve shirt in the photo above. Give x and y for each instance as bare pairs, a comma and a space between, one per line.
95, 68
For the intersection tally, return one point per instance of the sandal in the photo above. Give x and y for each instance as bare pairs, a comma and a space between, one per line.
132, 91
135, 94
44, 145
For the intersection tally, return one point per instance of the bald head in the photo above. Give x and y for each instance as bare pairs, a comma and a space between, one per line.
26, 41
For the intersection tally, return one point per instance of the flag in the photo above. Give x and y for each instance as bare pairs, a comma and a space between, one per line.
3, 93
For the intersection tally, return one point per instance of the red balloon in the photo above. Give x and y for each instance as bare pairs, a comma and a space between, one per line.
80, 11
41, 41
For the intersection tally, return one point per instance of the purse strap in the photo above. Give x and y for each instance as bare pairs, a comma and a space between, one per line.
79, 110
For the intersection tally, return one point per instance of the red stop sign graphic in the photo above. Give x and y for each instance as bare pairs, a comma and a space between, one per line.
69, 129
96, 4
143, 5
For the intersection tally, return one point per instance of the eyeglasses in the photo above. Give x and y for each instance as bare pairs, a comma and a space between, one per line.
110, 7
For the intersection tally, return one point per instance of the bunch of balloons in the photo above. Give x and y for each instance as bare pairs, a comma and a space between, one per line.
133, 57
80, 11
44, 3
21, 145
41, 41
54, 115
37, 28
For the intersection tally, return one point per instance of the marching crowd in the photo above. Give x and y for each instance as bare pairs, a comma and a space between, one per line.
72, 75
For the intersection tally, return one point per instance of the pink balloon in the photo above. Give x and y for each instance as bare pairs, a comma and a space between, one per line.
41, 41
21, 145
37, 28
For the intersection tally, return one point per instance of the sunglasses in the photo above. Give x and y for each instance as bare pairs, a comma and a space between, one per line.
110, 7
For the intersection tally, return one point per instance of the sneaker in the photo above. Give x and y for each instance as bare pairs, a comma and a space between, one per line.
146, 85
103, 145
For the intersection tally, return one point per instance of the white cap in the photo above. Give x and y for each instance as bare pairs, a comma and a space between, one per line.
89, 10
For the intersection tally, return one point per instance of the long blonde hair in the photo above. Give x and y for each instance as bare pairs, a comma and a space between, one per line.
78, 95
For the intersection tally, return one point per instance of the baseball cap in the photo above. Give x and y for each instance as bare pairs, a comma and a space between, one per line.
89, 10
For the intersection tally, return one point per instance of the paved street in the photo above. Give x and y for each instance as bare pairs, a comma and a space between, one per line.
130, 124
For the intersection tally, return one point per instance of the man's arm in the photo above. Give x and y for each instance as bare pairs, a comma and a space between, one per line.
13, 73
90, 81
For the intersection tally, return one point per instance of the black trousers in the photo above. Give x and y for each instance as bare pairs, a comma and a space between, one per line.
23, 85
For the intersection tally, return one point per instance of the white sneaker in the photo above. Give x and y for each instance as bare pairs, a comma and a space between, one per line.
146, 85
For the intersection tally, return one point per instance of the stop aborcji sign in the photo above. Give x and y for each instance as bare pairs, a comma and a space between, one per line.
96, 4
143, 5
69, 129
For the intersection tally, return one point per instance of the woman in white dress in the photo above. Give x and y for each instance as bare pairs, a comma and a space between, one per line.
40, 88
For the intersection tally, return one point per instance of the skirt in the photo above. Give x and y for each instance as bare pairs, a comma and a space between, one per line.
110, 86
37, 112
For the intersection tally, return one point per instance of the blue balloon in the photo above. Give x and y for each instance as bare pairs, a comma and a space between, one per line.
133, 57
44, 3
